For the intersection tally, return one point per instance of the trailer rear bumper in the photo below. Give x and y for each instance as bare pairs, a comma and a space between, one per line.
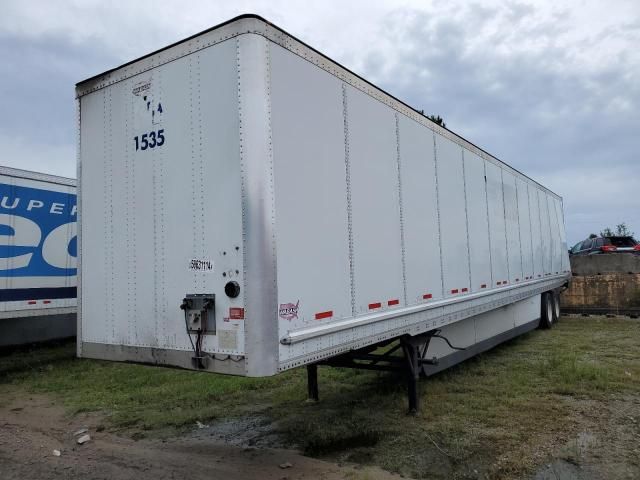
227, 364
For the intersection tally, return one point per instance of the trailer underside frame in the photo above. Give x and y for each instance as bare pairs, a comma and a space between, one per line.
410, 363
413, 363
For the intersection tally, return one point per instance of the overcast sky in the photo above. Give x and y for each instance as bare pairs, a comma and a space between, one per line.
551, 88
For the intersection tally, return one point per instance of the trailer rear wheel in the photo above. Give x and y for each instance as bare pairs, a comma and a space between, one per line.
556, 306
546, 310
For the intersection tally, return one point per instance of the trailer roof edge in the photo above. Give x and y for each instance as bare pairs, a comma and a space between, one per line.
31, 175
254, 16
174, 44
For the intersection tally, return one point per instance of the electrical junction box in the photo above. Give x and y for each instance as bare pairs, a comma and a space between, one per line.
200, 312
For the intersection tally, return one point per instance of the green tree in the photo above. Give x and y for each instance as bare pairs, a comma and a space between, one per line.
437, 119
621, 230
434, 118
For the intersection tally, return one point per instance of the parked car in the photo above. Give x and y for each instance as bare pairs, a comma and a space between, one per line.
592, 246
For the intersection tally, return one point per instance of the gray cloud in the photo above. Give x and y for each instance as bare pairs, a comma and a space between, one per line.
555, 92
37, 96
538, 109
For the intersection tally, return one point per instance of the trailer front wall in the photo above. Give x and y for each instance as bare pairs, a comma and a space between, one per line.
164, 221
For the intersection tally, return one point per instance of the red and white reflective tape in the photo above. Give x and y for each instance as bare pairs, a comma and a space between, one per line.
393, 302
373, 306
321, 315
34, 302
427, 296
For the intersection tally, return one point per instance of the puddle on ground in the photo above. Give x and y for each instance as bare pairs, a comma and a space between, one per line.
560, 470
250, 431
569, 464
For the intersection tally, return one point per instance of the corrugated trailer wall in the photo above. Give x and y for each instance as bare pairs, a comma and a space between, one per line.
421, 222
442, 222
454, 237
312, 220
497, 225
478, 220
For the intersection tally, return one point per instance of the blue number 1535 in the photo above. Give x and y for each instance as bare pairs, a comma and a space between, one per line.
149, 140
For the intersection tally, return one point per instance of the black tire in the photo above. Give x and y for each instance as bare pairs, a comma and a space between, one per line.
556, 306
546, 310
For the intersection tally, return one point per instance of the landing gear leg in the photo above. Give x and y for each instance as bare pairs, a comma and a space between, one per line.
312, 382
413, 363
413, 373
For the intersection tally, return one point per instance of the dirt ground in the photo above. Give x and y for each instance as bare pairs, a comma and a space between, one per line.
31, 429
551, 405
607, 445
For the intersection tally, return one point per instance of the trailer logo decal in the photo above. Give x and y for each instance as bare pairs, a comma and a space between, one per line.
37, 232
289, 311
141, 87
142, 90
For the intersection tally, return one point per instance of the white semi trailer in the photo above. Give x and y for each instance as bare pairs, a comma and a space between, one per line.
37, 257
248, 205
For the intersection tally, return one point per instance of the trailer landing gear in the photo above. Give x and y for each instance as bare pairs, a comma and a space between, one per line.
312, 382
382, 357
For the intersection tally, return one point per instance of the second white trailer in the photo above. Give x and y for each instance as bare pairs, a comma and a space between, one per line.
37, 257
247, 205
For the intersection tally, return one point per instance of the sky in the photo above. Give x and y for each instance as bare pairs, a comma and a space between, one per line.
551, 88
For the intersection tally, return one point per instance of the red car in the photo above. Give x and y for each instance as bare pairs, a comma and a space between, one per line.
592, 246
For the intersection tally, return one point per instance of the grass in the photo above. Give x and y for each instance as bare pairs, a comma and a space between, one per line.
495, 415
